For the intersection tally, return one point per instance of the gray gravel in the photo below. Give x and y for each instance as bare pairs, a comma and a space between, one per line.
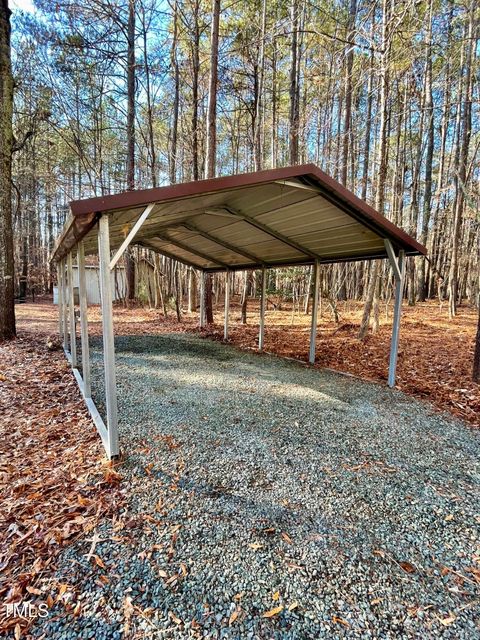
264, 483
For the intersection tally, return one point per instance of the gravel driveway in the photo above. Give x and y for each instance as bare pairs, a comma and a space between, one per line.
265, 499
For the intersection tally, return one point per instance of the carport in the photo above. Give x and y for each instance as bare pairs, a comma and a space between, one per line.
262, 220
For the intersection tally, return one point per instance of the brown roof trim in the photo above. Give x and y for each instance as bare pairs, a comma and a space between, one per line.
85, 212
74, 230
141, 197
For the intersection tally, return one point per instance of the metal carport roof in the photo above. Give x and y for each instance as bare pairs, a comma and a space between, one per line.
289, 216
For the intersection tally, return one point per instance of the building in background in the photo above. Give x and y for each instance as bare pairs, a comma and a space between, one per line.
92, 275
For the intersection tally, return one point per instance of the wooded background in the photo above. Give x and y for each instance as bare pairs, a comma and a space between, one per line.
383, 96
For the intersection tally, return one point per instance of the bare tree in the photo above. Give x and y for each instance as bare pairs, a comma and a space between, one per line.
211, 151
7, 311
129, 263
294, 83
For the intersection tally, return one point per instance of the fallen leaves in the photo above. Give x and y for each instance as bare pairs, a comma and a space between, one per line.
273, 612
110, 476
407, 567
435, 365
61, 591
55, 486
234, 615
99, 562
446, 622
287, 538
148, 469
255, 546
371, 466
174, 618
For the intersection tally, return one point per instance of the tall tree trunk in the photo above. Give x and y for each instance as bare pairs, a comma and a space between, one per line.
470, 44
191, 290
7, 311
244, 298
348, 92
131, 96
172, 163
382, 163
48, 212
178, 291
195, 44
209, 298
152, 155
257, 132
274, 144
129, 263
211, 151
368, 119
427, 199
294, 84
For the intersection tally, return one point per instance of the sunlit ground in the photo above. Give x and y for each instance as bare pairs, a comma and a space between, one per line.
435, 353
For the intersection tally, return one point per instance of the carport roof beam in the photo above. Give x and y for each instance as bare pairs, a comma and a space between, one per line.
222, 243
185, 247
269, 231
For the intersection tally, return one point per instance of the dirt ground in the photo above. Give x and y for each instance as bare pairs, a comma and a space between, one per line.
435, 354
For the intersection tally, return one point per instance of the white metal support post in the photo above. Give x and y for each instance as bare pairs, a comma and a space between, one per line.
202, 319
227, 304
313, 329
82, 289
60, 300
399, 271
71, 311
64, 304
108, 343
263, 302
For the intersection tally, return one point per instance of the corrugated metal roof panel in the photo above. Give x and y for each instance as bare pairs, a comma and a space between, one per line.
290, 215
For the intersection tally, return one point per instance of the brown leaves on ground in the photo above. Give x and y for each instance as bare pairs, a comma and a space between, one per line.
435, 353
273, 612
54, 482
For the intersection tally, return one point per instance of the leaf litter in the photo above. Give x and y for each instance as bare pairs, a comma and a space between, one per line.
55, 484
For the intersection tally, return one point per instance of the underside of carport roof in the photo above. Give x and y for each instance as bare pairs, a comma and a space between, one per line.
267, 219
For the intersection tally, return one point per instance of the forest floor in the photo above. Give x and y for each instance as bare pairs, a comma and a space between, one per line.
435, 354
261, 499
55, 487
